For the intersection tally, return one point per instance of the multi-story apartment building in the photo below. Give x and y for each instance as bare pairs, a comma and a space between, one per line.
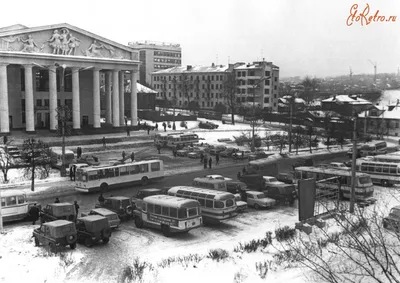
181, 85
258, 82
155, 56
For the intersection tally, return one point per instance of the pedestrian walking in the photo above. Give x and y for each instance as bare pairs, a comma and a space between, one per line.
76, 205
159, 148
132, 156
104, 141
78, 152
74, 170
34, 213
156, 126
5, 139
205, 163
242, 154
148, 130
209, 162
165, 126
101, 198
123, 155
244, 170
128, 132
201, 157
57, 200
217, 159
71, 173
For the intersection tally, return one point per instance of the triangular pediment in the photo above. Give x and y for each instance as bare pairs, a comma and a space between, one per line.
63, 40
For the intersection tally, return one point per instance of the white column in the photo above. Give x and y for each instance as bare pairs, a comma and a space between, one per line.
134, 102
108, 97
76, 105
115, 99
52, 97
29, 112
96, 98
4, 112
121, 99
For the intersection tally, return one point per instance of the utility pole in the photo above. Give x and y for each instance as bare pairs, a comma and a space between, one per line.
64, 114
353, 166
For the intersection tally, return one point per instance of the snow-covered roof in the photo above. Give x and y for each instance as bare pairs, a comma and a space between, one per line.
193, 69
296, 100
144, 89
347, 99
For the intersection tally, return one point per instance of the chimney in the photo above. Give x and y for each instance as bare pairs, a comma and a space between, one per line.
212, 65
188, 67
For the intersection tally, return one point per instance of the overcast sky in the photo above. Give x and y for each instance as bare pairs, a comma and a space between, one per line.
302, 37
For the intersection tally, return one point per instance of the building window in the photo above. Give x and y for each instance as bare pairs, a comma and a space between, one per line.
397, 125
58, 102
46, 103
212, 95
266, 91
267, 82
38, 102
169, 94
267, 73
266, 99
212, 104
239, 74
275, 95
276, 79
212, 78
275, 87
251, 73
212, 86
243, 73
208, 103
202, 104
42, 80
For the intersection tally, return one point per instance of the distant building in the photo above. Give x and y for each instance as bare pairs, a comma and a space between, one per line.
259, 82
155, 56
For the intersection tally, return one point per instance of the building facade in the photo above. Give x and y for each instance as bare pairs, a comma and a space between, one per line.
156, 56
49, 66
256, 82
259, 83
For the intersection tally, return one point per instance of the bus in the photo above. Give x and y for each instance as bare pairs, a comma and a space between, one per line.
363, 184
264, 166
383, 173
56, 157
102, 177
209, 114
215, 206
14, 205
182, 139
373, 148
162, 138
392, 158
209, 183
169, 213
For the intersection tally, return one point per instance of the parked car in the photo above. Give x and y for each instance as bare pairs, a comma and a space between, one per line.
93, 228
182, 152
259, 200
286, 178
111, 216
254, 182
228, 152
120, 205
207, 125
339, 165
271, 180
217, 149
242, 154
392, 221
259, 155
283, 193
56, 211
56, 234
218, 177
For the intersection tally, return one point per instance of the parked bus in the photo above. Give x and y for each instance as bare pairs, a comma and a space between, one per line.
209, 114
169, 213
182, 139
102, 177
373, 148
215, 206
363, 184
14, 205
209, 183
391, 158
383, 173
162, 138
56, 157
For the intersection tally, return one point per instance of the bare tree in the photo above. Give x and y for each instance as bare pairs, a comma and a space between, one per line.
310, 87
6, 160
230, 94
38, 155
280, 140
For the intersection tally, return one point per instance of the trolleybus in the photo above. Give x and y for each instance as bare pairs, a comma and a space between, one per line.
383, 173
14, 205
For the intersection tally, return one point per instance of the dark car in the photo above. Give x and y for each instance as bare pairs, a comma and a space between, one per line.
207, 125
93, 228
142, 193
236, 187
259, 155
254, 182
56, 211
120, 205
283, 193
217, 149
392, 221
55, 234
287, 178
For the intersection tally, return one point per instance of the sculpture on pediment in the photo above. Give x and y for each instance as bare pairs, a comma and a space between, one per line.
29, 44
63, 43
95, 49
55, 42
73, 43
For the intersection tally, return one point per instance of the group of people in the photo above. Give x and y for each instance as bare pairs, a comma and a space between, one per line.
35, 213
204, 159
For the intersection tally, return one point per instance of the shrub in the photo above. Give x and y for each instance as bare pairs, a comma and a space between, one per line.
284, 233
135, 272
218, 254
262, 268
253, 245
183, 260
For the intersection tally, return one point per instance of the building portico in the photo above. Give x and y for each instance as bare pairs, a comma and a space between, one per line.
47, 67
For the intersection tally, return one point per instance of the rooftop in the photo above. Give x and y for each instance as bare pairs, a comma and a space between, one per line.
193, 69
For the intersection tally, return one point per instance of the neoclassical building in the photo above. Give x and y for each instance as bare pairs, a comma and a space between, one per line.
45, 67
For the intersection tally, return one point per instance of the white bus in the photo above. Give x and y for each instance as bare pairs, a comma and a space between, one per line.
391, 158
102, 177
174, 139
215, 206
383, 173
162, 138
373, 148
363, 184
168, 213
209, 183
14, 205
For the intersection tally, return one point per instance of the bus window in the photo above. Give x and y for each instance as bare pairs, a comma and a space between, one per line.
385, 168
116, 172
144, 168
298, 175
157, 209
134, 169
378, 168
173, 212
209, 203
218, 204
371, 167
192, 211
364, 180
123, 171
21, 199
202, 202
3, 202
155, 166
93, 176
109, 172
229, 202
182, 213
165, 211
150, 207
11, 200
364, 167
393, 169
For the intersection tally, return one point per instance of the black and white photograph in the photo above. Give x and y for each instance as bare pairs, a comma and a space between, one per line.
219, 141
